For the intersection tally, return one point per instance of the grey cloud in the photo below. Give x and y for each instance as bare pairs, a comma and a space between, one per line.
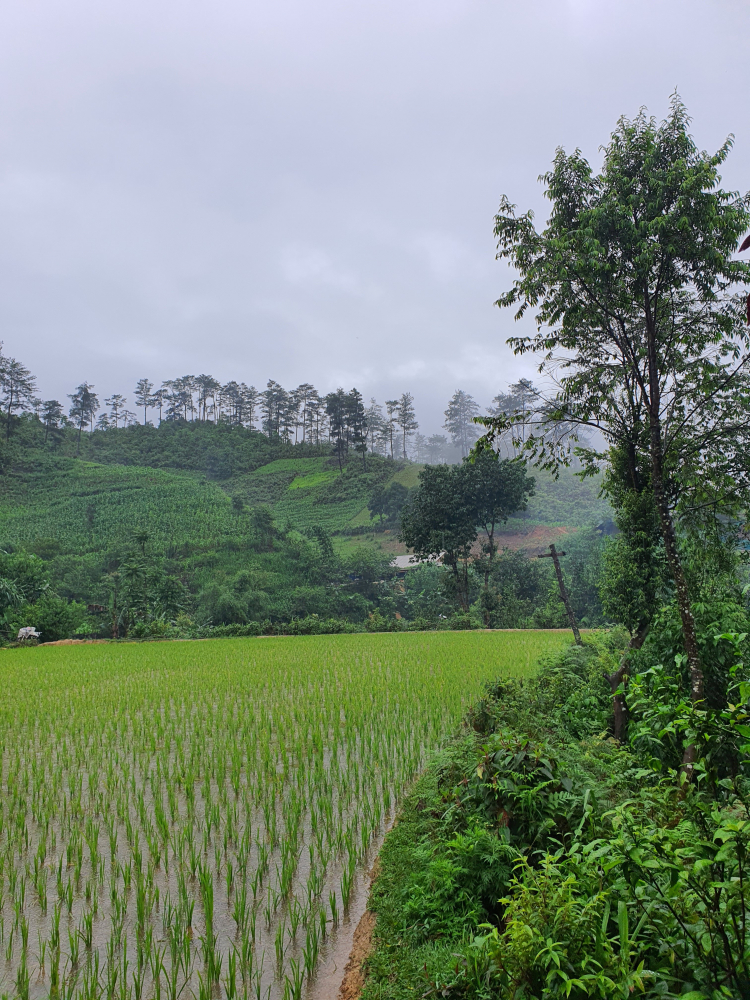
305, 191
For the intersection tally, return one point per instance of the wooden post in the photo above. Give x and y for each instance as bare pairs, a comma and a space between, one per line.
554, 555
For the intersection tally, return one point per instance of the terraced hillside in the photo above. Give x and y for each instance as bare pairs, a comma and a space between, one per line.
84, 505
312, 491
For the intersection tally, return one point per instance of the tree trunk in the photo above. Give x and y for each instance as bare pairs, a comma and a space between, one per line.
669, 535
465, 586
490, 553
619, 706
10, 411
684, 604
461, 584
689, 635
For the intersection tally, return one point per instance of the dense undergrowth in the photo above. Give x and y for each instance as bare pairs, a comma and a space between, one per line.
538, 858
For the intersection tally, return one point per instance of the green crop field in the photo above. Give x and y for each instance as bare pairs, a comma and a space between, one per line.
86, 505
188, 818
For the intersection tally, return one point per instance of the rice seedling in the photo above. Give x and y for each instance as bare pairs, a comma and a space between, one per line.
171, 812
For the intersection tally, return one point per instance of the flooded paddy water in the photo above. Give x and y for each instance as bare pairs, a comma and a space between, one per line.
198, 820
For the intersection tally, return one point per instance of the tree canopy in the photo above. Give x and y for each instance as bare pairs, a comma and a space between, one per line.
632, 282
442, 516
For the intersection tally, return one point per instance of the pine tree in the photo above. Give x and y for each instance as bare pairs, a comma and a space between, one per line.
51, 416
458, 420
357, 422
437, 445
159, 398
17, 385
375, 423
248, 402
273, 402
391, 408
316, 416
304, 394
84, 404
116, 406
143, 396
406, 418
207, 387
337, 405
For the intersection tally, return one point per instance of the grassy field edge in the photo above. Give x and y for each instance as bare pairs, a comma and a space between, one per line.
396, 968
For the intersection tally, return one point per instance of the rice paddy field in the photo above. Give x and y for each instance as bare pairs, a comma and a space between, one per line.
190, 819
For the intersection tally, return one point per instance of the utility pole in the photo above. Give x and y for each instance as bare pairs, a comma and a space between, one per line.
554, 555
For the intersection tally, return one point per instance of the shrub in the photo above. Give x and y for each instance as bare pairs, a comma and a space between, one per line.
52, 616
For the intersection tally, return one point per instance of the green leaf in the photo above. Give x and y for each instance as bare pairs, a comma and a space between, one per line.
622, 923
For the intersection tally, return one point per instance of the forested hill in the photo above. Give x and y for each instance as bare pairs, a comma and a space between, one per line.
208, 463
218, 450
180, 482
226, 524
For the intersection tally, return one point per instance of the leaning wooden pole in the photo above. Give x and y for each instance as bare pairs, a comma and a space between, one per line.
554, 555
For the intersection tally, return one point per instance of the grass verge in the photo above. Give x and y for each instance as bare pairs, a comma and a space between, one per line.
536, 858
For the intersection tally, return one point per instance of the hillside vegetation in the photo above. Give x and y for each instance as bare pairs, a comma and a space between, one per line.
223, 525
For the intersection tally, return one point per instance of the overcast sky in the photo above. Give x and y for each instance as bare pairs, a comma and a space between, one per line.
304, 190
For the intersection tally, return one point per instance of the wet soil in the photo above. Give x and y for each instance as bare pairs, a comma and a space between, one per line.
354, 980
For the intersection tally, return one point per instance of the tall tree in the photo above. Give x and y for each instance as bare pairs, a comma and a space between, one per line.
304, 393
116, 406
17, 385
316, 416
248, 401
357, 422
391, 409
159, 398
438, 523
519, 401
230, 403
420, 448
51, 416
375, 423
84, 404
207, 387
406, 418
289, 416
495, 488
459, 417
180, 399
143, 397
631, 283
437, 446
273, 402
337, 405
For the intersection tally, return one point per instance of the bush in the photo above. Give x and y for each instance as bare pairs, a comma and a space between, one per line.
549, 861
52, 616
659, 906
